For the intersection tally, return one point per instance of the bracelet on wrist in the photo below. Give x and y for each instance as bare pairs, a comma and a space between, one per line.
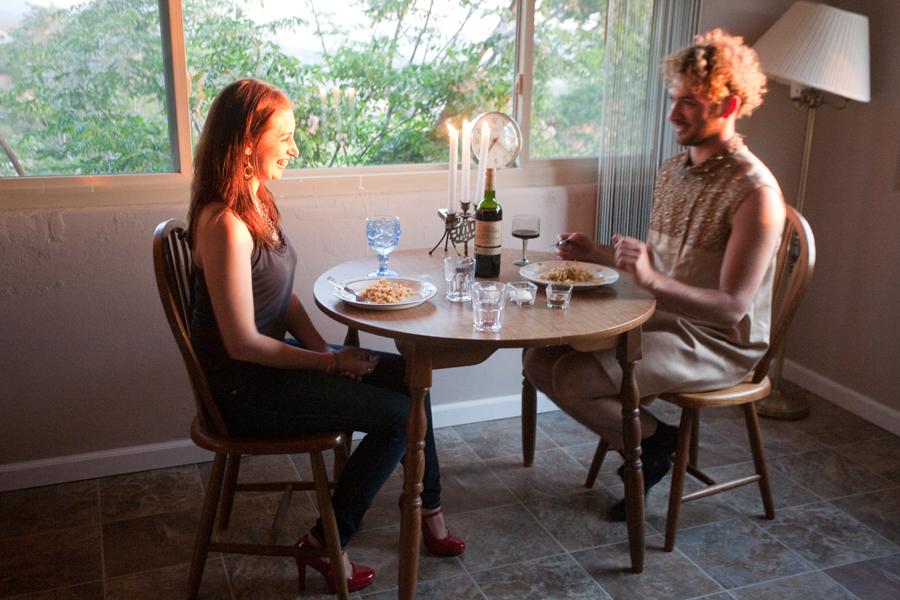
330, 361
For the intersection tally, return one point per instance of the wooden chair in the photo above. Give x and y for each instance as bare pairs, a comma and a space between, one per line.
793, 270
173, 266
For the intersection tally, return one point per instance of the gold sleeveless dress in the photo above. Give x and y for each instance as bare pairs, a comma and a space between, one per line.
689, 229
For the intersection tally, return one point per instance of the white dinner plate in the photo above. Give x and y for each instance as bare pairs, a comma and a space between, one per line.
423, 291
601, 275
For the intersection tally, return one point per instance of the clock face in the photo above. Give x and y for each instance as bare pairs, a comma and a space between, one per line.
506, 139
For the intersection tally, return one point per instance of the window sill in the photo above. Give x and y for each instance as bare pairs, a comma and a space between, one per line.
29, 193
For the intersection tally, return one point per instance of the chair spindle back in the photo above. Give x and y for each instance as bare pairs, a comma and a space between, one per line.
174, 270
794, 266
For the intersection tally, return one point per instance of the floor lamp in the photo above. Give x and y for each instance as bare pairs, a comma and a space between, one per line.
815, 49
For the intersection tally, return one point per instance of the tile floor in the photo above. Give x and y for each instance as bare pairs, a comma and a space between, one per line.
532, 533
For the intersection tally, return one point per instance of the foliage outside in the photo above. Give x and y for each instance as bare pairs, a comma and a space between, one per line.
85, 91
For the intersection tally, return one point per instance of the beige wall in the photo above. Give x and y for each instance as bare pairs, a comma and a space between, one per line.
850, 332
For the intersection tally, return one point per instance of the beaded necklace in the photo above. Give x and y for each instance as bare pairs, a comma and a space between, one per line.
264, 215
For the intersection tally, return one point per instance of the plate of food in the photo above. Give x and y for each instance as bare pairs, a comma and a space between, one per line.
581, 275
385, 293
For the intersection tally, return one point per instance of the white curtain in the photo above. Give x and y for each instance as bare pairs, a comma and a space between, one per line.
635, 137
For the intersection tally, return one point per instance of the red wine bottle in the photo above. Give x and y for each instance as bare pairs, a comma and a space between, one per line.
488, 216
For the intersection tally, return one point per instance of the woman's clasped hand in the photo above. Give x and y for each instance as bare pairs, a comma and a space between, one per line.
354, 362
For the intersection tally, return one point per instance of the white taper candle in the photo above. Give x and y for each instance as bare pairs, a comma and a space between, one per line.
452, 167
466, 161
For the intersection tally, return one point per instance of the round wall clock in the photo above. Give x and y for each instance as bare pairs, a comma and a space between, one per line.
506, 139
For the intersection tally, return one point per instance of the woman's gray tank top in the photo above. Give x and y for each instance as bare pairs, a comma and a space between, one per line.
272, 273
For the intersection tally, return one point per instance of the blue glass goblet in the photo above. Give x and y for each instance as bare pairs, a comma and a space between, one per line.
383, 235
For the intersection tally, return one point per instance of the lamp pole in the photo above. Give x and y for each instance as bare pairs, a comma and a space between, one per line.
778, 405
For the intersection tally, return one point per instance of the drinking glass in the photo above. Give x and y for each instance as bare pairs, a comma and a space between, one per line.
522, 293
383, 234
488, 300
558, 295
459, 273
525, 227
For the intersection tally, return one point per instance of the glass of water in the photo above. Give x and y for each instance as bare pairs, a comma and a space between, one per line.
488, 301
383, 235
459, 273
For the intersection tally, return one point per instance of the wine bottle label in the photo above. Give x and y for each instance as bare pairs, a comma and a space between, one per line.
487, 237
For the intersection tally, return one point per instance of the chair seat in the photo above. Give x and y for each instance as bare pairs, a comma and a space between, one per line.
742, 393
320, 442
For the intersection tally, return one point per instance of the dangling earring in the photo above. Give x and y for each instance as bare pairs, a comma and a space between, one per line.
248, 169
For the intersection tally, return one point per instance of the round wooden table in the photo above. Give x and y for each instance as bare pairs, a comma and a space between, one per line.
439, 334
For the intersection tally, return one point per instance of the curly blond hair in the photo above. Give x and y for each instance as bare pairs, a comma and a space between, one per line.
719, 65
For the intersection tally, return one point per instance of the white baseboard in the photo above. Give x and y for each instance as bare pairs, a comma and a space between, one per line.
75, 467
485, 409
849, 399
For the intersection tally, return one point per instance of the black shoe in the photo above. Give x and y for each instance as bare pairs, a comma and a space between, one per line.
665, 438
654, 468
656, 459
616, 512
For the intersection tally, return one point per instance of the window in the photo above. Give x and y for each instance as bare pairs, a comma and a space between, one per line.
84, 88
567, 90
373, 82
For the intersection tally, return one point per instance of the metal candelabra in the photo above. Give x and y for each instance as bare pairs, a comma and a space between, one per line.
459, 228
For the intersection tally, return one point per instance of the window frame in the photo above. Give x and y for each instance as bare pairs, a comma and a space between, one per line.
41, 192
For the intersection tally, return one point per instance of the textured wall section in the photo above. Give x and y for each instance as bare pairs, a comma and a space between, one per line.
86, 357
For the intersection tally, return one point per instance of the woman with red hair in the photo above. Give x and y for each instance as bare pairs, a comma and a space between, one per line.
267, 385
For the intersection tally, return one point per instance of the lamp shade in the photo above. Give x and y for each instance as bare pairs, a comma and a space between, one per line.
819, 46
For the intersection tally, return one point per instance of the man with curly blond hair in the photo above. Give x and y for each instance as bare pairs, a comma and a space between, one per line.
709, 259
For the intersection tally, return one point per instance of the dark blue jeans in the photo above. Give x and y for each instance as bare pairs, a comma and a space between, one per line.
285, 402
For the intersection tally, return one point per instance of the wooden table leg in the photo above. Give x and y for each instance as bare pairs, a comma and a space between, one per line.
529, 416
629, 351
419, 380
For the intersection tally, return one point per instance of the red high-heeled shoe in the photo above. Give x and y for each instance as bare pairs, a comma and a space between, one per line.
361, 577
448, 546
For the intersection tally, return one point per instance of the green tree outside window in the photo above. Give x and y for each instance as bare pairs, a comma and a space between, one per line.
82, 89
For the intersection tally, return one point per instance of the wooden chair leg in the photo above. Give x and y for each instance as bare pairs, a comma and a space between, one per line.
232, 467
329, 523
695, 440
759, 459
204, 529
682, 454
529, 419
599, 455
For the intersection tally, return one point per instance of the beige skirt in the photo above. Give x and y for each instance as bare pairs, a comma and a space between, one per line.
681, 356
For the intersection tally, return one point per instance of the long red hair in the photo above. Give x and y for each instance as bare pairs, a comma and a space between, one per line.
237, 118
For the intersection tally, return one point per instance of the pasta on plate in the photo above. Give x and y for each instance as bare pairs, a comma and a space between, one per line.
569, 274
386, 292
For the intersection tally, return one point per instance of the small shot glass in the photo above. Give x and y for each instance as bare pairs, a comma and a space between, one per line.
522, 293
558, 295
